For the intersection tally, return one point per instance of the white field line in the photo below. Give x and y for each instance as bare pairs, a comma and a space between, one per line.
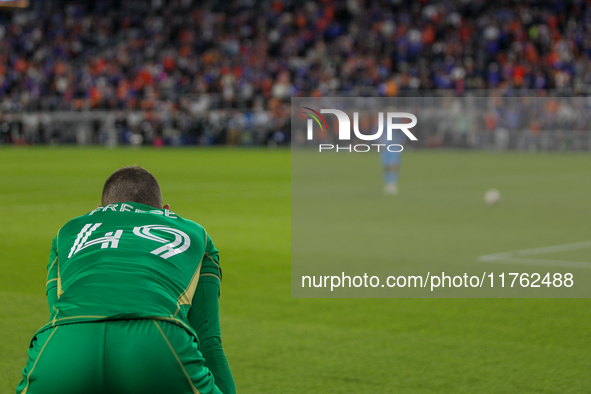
542, 262
516, 256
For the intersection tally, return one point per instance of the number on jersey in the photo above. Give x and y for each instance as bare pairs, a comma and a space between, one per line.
82, 241
179, 245
111, 239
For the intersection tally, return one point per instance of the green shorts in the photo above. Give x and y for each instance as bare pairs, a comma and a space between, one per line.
119, 356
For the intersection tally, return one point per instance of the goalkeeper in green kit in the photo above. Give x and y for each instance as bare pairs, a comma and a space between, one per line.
133, 294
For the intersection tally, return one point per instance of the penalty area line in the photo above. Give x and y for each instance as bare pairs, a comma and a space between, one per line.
517, 256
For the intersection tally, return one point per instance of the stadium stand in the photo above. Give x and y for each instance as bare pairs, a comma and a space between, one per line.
189, 72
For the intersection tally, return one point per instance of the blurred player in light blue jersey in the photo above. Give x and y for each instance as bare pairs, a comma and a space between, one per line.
390, 159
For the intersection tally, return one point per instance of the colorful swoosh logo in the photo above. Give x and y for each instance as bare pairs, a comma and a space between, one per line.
315, 115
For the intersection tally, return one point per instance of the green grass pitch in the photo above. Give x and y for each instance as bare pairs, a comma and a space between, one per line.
341, 222
276, 344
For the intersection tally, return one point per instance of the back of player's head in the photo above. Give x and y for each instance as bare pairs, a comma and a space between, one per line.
132, 184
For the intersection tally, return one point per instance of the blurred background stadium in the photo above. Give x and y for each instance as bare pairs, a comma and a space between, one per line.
182, 72
199, 75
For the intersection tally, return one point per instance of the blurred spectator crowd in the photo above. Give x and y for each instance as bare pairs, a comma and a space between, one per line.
176, 58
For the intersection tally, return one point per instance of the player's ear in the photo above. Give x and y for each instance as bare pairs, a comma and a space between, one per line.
166, 206
98, 206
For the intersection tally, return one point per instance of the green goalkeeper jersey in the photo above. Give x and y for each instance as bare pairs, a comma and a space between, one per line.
131, 261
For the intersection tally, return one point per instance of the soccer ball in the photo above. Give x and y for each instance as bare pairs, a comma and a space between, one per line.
492, 196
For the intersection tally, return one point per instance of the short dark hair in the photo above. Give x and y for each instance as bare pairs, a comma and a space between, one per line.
132, 184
